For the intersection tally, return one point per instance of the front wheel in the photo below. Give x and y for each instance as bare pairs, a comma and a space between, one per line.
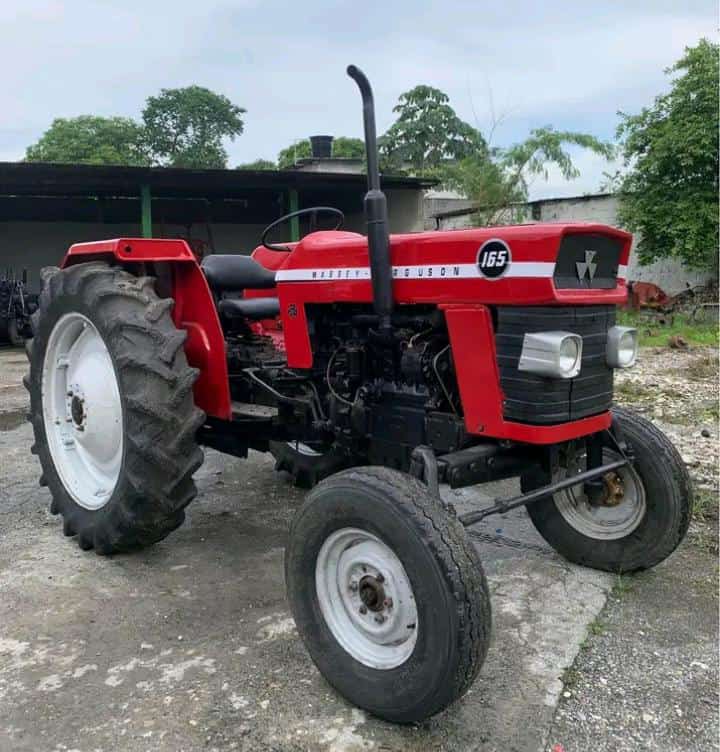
645, 511
387, 593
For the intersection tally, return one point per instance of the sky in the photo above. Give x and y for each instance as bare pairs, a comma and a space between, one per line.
522, 65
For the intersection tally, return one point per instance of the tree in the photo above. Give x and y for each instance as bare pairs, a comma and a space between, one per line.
290, 155
88, 139
258, 164
342, 148
186, 127
670, 193
498, 180
427, 134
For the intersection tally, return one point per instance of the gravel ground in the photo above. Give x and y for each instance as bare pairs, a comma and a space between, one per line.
189, 645
647, 676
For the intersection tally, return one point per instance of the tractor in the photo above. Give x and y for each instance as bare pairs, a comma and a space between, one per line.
375, 368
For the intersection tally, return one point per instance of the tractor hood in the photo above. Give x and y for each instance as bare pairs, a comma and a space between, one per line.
537, 264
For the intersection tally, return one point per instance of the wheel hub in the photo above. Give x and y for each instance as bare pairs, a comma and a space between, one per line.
614, 490
618, 512
366, 598
77, 409
372, 593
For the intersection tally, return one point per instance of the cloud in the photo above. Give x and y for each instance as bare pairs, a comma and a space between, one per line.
572, 65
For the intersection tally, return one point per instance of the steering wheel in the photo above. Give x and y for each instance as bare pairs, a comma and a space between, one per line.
313, 210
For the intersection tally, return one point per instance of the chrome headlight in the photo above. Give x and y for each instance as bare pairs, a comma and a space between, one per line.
554, 354
622, 346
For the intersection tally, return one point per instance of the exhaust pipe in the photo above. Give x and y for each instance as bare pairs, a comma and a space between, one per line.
375, 211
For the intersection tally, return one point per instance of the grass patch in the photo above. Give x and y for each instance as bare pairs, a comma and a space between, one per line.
632, 391
709, 414
705, 507
703, 369
570, 678
623, 585
654, 334
597, 628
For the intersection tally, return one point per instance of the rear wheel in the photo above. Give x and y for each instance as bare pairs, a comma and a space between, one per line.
112, 408
387, 593
643, 515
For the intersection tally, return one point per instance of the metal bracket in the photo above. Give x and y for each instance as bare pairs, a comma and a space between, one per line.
424, 467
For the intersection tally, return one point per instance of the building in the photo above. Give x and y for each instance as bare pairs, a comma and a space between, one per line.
44, 208
448, 212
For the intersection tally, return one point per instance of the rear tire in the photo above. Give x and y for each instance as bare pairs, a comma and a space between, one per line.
131, 430
425, 630
628, 540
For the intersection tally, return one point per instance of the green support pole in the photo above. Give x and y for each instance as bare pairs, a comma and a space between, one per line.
146, 209
294, 203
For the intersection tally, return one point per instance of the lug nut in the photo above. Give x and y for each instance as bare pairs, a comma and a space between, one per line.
363, 609
353, 586
388, 603
379, 618
380, 577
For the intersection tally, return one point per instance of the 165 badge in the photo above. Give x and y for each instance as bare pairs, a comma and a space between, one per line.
494, 258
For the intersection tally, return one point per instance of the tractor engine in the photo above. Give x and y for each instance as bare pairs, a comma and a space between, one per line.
376, 406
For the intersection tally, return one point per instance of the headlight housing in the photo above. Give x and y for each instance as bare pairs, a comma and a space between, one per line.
622, 347
553, 354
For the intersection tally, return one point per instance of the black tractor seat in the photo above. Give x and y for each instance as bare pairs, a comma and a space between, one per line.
249, 308
231, 273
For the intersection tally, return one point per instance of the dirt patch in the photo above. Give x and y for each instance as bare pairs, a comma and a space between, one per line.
678, 391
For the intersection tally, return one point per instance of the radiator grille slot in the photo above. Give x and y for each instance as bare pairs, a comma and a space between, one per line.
543, 401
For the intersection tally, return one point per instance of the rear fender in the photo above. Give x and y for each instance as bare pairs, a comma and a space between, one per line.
194, 309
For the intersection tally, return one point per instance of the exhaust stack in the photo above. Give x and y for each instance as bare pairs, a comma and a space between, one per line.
375, 211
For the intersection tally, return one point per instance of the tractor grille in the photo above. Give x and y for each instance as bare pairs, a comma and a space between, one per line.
539, 400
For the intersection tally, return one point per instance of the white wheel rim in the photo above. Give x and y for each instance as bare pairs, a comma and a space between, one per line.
604, 522
366, 598
82, 411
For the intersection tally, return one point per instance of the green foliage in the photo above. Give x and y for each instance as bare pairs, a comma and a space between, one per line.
258, 164
498, 181
186, 127
427, 134
292, 154
430, 140
670, 194
91, 140
342, 148
653, 334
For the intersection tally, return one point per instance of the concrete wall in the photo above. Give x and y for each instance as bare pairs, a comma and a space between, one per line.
668, 273
37, 244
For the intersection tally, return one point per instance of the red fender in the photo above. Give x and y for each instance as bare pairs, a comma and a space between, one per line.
194, 309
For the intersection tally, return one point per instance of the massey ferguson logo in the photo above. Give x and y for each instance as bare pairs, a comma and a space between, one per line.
494, 258
587, 268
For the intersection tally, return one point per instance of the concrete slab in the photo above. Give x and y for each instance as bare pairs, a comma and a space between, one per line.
190, 645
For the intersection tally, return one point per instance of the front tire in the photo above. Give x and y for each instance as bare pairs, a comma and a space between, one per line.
639, 528
112, 408
388, 594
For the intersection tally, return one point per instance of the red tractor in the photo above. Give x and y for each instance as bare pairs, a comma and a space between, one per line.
374, 368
